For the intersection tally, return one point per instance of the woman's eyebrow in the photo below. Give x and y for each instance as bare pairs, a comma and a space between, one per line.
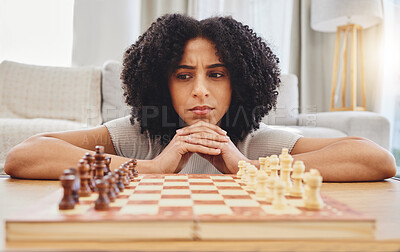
192, 67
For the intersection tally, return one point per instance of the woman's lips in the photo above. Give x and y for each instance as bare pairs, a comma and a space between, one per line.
201, 110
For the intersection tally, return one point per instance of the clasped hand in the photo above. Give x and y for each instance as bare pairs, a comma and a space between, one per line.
208, 140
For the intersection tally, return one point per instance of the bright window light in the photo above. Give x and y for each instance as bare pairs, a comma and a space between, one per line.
36, 32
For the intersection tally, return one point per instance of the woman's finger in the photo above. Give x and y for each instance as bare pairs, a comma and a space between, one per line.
204, 126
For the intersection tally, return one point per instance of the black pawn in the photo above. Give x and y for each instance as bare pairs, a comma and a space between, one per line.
111, 193
120, 180
77, 182
103, 202
67, 201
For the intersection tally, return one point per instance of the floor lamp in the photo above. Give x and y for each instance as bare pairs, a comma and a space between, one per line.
347, 18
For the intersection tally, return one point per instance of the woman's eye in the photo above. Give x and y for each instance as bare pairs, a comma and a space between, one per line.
183, 76
216, 75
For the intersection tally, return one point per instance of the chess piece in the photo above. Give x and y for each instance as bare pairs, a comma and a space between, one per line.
243, 178
107, 162
99, 162
279, 202
102, 202
90, 160
285, 151
261, 189
267, 168
114, 181
77, 182
84, 169
313, 200
67, 201
252, 174
125, 175
135, 172
286, 164
120, 179
261, 161
274, 166
270, 186
110, 192
297, 176
240, 166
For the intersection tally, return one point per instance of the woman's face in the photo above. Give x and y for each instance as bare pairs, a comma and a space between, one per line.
200, 86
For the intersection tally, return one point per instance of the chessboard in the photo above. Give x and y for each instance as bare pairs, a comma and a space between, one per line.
186, 207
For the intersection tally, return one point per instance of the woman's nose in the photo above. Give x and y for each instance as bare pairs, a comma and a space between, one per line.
200, 88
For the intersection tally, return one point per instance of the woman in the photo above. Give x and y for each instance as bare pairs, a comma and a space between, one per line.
198, 91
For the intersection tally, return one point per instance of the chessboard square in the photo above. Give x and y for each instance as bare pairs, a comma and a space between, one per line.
145, 196
139, 210
118, 203
296, 202
127, 192
195, 180
151, 180
221, 178
233, 192
231, 184
149, 187
212, 210
241, 202
203, 196
90, 198
203, 187
175, 202
176, 177
183, 183
289, 210
174, 212
176, 192
78, 210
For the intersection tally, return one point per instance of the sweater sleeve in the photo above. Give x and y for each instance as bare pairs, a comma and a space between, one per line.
129, 142
267, 141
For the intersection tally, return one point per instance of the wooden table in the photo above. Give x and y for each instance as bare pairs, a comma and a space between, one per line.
381, 200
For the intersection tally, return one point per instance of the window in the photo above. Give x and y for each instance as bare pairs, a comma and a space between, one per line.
36, 32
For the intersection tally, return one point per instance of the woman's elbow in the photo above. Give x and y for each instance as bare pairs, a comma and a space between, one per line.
17, 157
388, 166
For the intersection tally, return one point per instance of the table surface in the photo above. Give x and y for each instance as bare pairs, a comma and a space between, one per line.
380, 200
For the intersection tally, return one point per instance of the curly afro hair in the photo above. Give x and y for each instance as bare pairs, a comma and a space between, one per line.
147, 65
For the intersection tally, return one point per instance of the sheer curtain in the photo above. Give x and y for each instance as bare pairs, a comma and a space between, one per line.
388, 100
36, 32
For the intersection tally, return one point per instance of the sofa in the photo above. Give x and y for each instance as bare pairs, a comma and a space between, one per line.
36, 99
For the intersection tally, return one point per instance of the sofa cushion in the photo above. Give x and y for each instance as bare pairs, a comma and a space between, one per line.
287, 106
15, 130
68, 93
114, 105
312, 131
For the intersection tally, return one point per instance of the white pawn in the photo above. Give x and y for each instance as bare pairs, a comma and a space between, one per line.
279, 202
297, 176
270, 192
262, 189
251, 181
267, 168
286, 168
313, 200
240, 166
261, 161
274, 166
244, 173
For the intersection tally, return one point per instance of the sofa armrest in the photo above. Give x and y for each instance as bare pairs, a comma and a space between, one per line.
365, 124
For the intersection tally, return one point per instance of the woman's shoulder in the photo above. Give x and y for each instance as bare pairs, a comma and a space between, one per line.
128, 140
268, 140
